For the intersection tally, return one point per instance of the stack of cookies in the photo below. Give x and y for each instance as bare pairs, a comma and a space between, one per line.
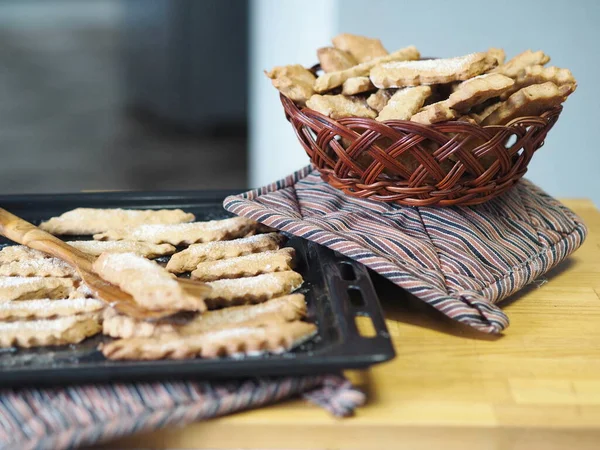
249, 308
361, 79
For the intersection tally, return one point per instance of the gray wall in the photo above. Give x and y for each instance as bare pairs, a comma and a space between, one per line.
281, 32
569, 163
63, 121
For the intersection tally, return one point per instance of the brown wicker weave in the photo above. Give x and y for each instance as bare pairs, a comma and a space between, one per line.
448, 163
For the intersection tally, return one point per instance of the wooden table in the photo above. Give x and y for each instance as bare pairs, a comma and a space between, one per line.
536, 386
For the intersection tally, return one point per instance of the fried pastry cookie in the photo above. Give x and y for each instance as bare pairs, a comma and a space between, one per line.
340, 106
477, 90
480, 112
404, 103
333, 59
539, 75
436, 112
281, 309
37, 333
256, 289
145, 249
188, 259
357, 85
293, 81
82, 291
379, 99
48, 308
245, 266
43, 267
397, 74
184, 233
152, 286
243, 340
497, 54
528, 58
91, 220
14, 253
530, 101
329, 81
362, 48
26, 288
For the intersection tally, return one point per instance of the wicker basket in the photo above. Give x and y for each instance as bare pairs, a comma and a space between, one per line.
448, 163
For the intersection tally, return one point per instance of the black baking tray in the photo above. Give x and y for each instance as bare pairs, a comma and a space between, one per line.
337, 290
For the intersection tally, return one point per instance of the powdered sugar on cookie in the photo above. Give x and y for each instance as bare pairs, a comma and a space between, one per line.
148, 283
187, 233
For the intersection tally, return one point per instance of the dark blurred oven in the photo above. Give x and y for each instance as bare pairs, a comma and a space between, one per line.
186, 61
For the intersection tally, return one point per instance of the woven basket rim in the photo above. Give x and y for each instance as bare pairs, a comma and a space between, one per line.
436, 125
453, 165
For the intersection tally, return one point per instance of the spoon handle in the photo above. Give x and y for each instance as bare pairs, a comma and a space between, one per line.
25, 233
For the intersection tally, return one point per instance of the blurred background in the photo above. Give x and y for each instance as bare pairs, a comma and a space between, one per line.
123, 94
170, 94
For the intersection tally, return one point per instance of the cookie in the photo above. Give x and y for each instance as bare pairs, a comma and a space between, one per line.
92, 220
340, 106
37, 333
404, 103
528, 58
188, 259
357, 85
43, 267
477, 90
256, 289
329, 81
333, 59
26, 288
379, 99
48, 308
145, 249
362, 49
184, 233
530, 101
15, 253
538, 75
249, 340
293, 81
281, 309
397, 74
481, 111
245, 266
436, 112
151, 285
497, 54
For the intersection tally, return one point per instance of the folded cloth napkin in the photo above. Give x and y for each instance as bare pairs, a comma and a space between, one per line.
461, 260
68, 417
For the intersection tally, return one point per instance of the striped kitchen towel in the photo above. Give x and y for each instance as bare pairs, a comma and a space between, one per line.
461, 260
69, 417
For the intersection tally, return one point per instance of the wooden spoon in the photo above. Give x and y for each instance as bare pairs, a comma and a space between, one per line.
25, 233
